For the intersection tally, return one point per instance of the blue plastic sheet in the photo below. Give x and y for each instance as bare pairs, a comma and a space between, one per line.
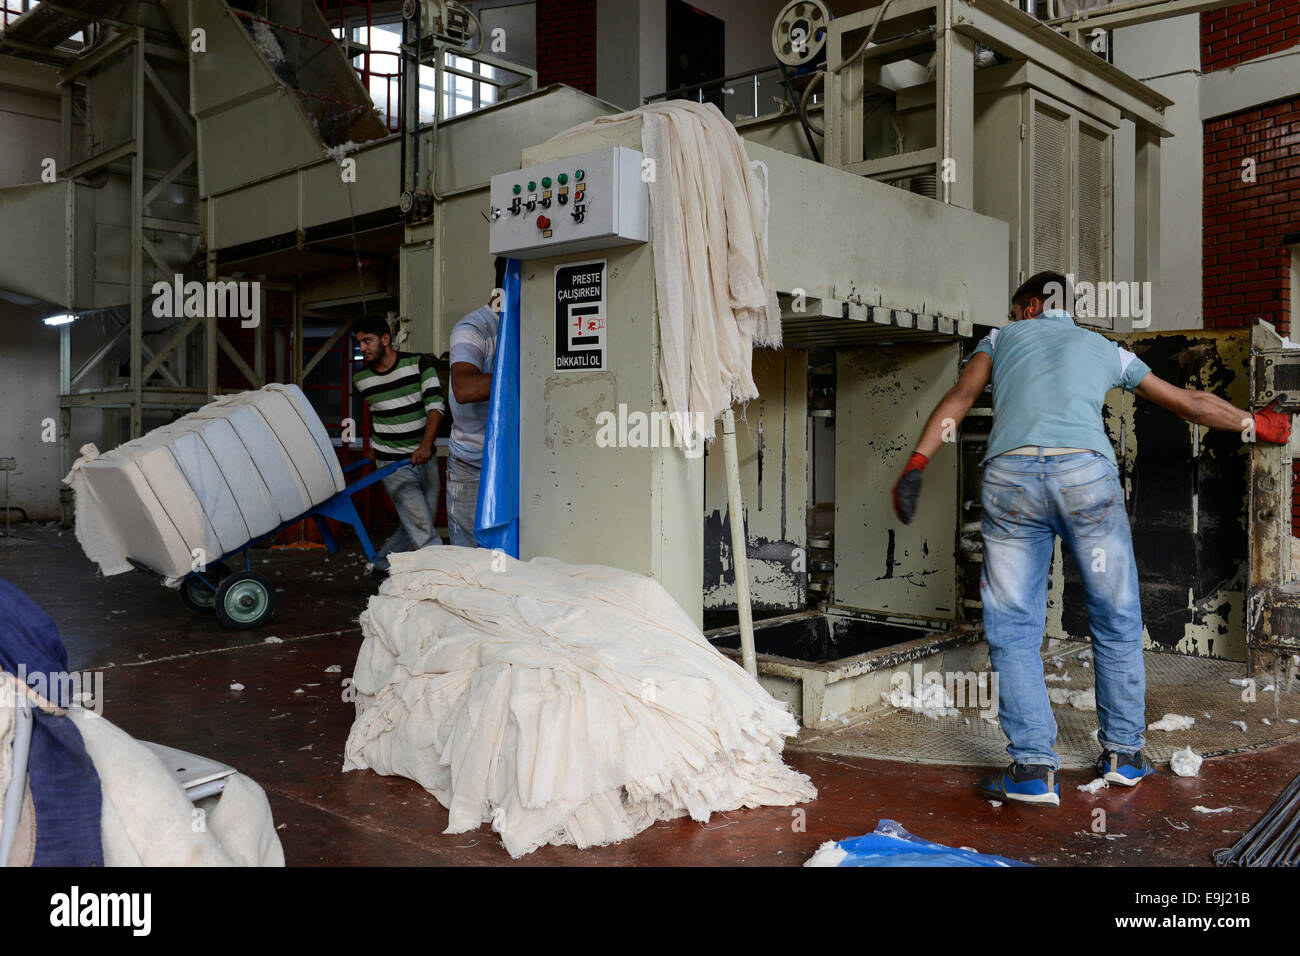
496, 522
891, 845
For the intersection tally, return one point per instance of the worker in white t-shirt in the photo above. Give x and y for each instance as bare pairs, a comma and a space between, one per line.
473, 351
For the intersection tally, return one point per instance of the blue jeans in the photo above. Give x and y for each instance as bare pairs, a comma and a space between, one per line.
414, 492
1028, 501
462, 501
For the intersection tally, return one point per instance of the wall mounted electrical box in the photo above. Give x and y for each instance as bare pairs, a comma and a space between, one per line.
577, 204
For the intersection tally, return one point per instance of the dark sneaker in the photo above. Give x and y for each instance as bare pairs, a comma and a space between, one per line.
1027, 783
1127, 770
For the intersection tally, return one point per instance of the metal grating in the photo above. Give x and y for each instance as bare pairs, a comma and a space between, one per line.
1051, 163
1094, 206
1176, 684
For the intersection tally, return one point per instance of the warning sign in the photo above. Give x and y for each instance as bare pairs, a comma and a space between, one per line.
580, 317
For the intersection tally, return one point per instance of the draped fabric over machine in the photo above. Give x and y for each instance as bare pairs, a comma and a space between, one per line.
713, 282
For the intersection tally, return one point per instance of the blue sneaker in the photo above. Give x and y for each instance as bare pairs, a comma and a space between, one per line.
1127, 770
1027, 783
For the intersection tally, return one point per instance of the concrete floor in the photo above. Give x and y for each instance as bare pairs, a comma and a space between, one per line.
167, 677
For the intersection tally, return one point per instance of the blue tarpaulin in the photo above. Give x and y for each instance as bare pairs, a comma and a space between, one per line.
891, 845
496, 522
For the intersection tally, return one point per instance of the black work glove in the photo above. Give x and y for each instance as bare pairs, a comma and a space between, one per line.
908, 487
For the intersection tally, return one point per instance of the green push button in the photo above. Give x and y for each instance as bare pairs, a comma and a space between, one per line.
532, 187
578, 174
564, 178
546, 182
517, 189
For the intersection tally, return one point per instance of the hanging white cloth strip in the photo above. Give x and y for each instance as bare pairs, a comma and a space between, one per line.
713, 282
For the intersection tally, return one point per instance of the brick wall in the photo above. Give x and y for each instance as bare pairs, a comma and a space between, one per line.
1247, 268
566, 43
1248, 30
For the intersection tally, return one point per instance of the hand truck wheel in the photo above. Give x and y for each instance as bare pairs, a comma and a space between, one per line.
244, 601
199, 590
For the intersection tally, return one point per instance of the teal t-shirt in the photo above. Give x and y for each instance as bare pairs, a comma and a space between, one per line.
1050, 379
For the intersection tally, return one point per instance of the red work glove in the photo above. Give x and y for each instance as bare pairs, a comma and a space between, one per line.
1272, 426
908, 487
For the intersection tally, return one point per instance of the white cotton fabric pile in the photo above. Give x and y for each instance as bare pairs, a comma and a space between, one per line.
713, 282
564, 704
213, 480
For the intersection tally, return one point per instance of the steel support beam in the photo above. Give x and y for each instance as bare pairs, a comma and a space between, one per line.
105, 53
1120, 15
297, 336
165, 95
321, 352
1146, 207
137, 236
101, 159
99, 355
124, 397
161, 355
955, 116
1005, 29
238, 359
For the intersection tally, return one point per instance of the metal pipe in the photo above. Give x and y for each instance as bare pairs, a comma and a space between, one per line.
16, 790
1083, 16
707, 84
739, 547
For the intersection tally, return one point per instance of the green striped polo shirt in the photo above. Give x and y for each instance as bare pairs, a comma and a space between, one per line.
400, 400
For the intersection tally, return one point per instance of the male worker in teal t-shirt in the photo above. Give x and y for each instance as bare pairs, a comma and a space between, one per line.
1049, 470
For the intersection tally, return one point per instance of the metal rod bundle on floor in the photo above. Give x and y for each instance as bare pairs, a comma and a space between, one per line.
1274, 840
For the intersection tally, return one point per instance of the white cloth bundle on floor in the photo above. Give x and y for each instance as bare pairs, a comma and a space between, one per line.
212, 480
147, 820
566, 704
713, 282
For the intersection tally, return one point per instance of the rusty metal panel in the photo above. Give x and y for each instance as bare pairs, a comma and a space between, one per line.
1185, 487
772, 447
883, 396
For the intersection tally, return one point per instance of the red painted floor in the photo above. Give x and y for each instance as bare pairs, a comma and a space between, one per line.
167, 677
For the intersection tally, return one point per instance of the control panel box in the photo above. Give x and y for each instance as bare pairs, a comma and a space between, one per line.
592, 201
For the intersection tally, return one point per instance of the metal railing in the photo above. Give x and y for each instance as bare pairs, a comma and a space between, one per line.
747, 85
13, 9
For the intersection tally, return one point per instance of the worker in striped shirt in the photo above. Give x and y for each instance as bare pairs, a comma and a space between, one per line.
406, 407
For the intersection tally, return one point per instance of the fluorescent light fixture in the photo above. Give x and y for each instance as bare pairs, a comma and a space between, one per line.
63, 319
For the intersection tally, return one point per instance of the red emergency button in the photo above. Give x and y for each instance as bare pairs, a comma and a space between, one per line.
543, 222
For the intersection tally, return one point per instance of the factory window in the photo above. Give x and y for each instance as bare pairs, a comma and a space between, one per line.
13, 9
380, 69
460, 94
462, 91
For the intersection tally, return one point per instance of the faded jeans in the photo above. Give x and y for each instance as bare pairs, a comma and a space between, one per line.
1028, 500
414, 492
462, 501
